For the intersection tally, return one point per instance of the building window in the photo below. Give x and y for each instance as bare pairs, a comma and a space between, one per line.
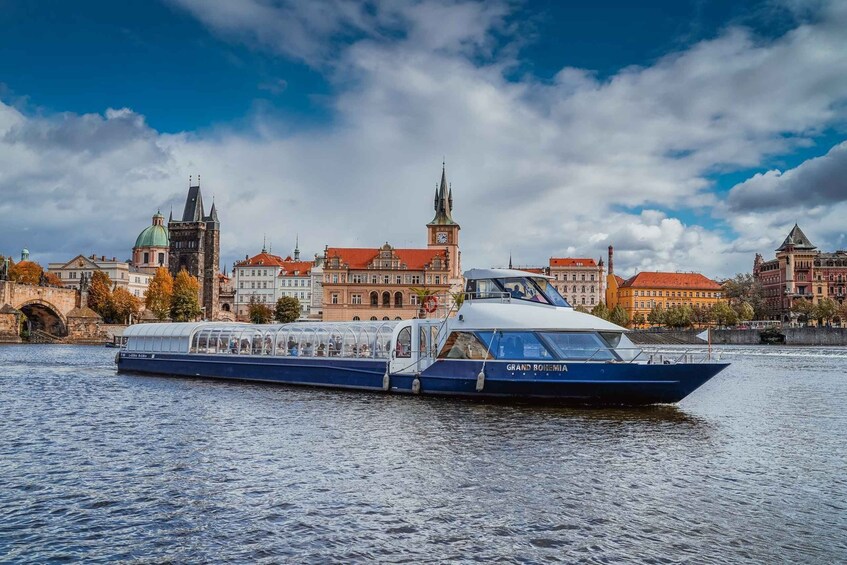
252, 285
356, 318
386, 299
373, 318
161, 259
386, 279
398, 299
374, 279
146, 258
437, 279
355, 298
334, 298
335, 278
416, 279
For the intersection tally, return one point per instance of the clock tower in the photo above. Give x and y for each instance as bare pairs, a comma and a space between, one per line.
443, 231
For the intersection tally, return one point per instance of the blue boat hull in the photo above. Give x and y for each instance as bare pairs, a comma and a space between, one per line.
565, 383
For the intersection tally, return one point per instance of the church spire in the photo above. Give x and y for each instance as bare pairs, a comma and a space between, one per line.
443, 201
297, 248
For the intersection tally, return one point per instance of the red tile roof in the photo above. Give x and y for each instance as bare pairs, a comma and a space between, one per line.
360, 258
572, 262
264, 259
620, 280
289, 267
537, 270
671, 280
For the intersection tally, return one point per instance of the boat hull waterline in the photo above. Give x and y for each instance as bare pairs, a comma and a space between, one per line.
559, 382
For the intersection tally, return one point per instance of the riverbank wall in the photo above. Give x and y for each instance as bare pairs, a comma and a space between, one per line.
793, 336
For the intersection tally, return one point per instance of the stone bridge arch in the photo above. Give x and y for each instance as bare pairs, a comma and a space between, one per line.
44, 316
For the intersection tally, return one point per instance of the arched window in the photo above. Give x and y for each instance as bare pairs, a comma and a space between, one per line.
374, 298
398, 299
386, 298
373, 318
385, 318
356, 318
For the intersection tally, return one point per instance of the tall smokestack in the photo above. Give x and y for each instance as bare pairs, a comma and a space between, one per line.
611, 260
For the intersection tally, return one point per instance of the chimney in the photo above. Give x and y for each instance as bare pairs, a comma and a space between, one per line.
611, 260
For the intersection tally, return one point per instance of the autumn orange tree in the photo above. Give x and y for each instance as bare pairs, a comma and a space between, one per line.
100, 294
185, 304
25, 272
160, 294
124, 305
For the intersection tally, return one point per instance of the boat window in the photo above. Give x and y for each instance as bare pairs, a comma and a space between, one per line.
521, 288
515, 345
612, 338
551, 293
404, 342
464, 345
579, 345
483, 288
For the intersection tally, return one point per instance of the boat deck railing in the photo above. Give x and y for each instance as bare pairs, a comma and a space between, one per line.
658, 356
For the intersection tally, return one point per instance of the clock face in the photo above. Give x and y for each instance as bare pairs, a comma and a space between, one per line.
441, 237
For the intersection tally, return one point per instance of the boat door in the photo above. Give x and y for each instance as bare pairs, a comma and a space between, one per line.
404, 357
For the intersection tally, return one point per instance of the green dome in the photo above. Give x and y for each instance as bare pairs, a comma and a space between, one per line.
153, 236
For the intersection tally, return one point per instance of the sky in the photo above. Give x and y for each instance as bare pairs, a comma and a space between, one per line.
690, 135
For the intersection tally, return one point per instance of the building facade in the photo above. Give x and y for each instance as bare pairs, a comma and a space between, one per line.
800, 271
579, 280
641, 293
265, 278
195, 246
377, 283
152, 246
122, 273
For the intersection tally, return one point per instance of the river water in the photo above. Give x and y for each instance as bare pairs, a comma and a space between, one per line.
98, 467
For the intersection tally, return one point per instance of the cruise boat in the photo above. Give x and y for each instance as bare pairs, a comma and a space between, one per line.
514, 337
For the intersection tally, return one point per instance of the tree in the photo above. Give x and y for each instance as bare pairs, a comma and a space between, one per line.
619, 316
185, 304
638, 320
745, 311
423, 294
53, 279
825, 310
124, 305
656, 317
100, 294
582, 308
287, 310
25, 272
679, 316
724, 314
259, 313
743, 287
160, 293
601, 311
804, 309
702, 315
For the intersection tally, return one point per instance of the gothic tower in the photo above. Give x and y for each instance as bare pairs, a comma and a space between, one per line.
195, 246
443, 231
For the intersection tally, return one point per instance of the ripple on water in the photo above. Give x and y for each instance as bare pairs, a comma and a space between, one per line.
100, 467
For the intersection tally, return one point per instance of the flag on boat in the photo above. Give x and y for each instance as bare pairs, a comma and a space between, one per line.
703, 335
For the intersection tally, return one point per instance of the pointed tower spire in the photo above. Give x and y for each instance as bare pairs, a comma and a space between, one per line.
264, 243
443, 208
510, 259
297, 248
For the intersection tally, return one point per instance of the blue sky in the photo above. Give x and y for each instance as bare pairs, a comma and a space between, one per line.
665, 128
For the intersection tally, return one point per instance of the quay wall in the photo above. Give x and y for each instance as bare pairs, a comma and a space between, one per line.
793, 336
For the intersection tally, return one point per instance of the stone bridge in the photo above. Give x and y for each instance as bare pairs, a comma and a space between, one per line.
48, 309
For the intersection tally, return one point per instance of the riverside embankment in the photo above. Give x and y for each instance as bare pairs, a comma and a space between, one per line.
793, 336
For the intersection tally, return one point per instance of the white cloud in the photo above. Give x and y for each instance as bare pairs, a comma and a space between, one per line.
539, 169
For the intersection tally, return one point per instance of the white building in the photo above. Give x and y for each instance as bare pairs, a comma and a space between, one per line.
122, 273
580, 280
265, 278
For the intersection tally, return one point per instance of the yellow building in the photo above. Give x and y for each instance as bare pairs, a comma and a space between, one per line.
644, 291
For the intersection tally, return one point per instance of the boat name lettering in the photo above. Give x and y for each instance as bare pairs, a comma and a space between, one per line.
558, 367
137, 355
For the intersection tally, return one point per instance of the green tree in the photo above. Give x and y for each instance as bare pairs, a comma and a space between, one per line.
259, 313
745, 311
679, 316
804, 309
743, 287
287, 310
601, 311
724, 314
656, 317
582, 308
423, 295
100, 294
124, 306
160, 292
185, 304
619, 316
638, 319
825, 310
702, 315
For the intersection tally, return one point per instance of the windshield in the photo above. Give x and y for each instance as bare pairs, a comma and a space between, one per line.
534, 290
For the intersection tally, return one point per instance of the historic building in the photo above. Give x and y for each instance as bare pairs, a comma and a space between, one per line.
226, 297
377, 283
265, 278
579, 280
195, 246
800, 270
643, 291
122, 274
152, 246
